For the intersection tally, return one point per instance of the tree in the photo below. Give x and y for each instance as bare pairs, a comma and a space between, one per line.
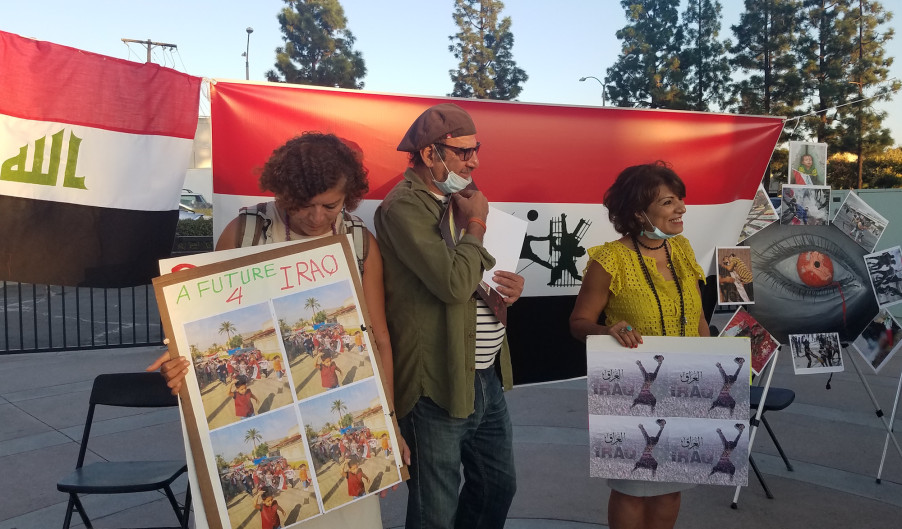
870, 70
253, 436
880, 171
339, 407
703, 61
310, 432
221, 463
647, 73
763, 50
347, 420
228, 328
312, 304
320, 317
319, 47
236, 342
483, 46
284, 328
262, 450
825, 58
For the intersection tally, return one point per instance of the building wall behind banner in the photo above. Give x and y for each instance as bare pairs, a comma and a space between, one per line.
547, 164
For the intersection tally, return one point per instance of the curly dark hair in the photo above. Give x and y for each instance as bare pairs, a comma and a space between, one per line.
314, 163
634, 191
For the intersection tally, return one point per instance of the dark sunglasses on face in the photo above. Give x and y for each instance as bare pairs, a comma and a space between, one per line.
463, 153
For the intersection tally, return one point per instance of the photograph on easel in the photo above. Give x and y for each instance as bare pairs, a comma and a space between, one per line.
860, 221
879, 341
885, 271
743, 325
816, 353
735, 280
805, 205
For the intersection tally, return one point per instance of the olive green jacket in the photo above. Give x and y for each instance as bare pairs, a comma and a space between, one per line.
429, 301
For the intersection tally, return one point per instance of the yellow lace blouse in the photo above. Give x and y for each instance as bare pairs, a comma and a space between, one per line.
633, 301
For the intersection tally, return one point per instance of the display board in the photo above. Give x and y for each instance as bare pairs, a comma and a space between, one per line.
267, 415
673, 409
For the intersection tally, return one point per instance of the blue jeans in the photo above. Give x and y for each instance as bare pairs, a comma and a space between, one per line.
440, 444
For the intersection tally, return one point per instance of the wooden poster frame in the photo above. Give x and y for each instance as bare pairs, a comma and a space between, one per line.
196, 293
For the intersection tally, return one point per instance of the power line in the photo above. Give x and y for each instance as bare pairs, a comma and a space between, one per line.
149, 44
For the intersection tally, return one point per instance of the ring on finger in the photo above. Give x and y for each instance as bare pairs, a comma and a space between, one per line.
623, 330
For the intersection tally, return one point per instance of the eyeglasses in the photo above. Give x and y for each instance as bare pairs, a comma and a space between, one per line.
464, 153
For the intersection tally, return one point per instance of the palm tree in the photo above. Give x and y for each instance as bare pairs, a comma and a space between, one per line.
339, 406
253, 436
312, 304
228, 328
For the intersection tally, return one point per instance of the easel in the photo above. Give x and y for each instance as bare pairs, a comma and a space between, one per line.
888, 426
753, 423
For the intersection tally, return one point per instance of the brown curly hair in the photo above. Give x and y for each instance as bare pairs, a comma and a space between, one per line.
311, 164
634, 191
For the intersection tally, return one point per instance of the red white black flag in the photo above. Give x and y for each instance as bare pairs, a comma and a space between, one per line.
547, 164
93, 154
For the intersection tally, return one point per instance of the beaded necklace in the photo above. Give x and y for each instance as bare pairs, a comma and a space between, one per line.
658, 247
288, 227
654, 291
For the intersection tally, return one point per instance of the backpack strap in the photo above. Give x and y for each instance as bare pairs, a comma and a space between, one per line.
257, 233
359, 235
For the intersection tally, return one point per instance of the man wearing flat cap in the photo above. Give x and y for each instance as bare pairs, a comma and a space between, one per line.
451, 359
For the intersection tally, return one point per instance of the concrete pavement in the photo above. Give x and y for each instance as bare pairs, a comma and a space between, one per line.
832, 437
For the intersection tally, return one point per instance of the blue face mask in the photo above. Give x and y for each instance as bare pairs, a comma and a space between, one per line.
656, 234
454, 183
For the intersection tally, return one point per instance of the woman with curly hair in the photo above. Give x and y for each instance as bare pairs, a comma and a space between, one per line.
316, 179
646, 284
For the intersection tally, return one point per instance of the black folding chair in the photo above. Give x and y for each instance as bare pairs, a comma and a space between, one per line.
136, 390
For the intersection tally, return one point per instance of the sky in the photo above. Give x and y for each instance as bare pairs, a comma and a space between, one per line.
204, 333
404, 42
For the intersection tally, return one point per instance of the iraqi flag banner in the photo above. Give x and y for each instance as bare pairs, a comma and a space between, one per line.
547, 164
93, 155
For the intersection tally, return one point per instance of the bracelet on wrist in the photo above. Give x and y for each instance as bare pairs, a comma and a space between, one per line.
479, 221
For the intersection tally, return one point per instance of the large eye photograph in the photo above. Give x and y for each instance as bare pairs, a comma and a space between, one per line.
810, 279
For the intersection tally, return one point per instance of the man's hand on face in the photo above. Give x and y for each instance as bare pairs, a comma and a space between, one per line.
472, 203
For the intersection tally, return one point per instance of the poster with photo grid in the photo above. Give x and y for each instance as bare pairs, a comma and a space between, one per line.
283, 405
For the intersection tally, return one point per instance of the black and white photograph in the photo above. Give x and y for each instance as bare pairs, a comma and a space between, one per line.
860, 221
816, 353
885, 271
667, 377
678, 449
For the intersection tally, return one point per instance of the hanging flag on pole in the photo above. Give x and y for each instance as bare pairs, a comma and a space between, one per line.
93, 155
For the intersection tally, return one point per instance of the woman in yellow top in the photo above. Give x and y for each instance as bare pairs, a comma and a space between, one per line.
646, 282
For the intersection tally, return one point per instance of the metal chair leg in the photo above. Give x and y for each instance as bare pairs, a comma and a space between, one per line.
777, 444
74, 504
760, 478
187, 508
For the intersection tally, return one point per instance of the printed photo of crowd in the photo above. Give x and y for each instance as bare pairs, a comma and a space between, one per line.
350, 445
264, 472
239, 365
323, 337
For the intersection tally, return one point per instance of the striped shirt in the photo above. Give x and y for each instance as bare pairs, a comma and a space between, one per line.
489, 335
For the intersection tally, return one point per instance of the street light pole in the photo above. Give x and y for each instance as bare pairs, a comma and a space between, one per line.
247, 53
603, 87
